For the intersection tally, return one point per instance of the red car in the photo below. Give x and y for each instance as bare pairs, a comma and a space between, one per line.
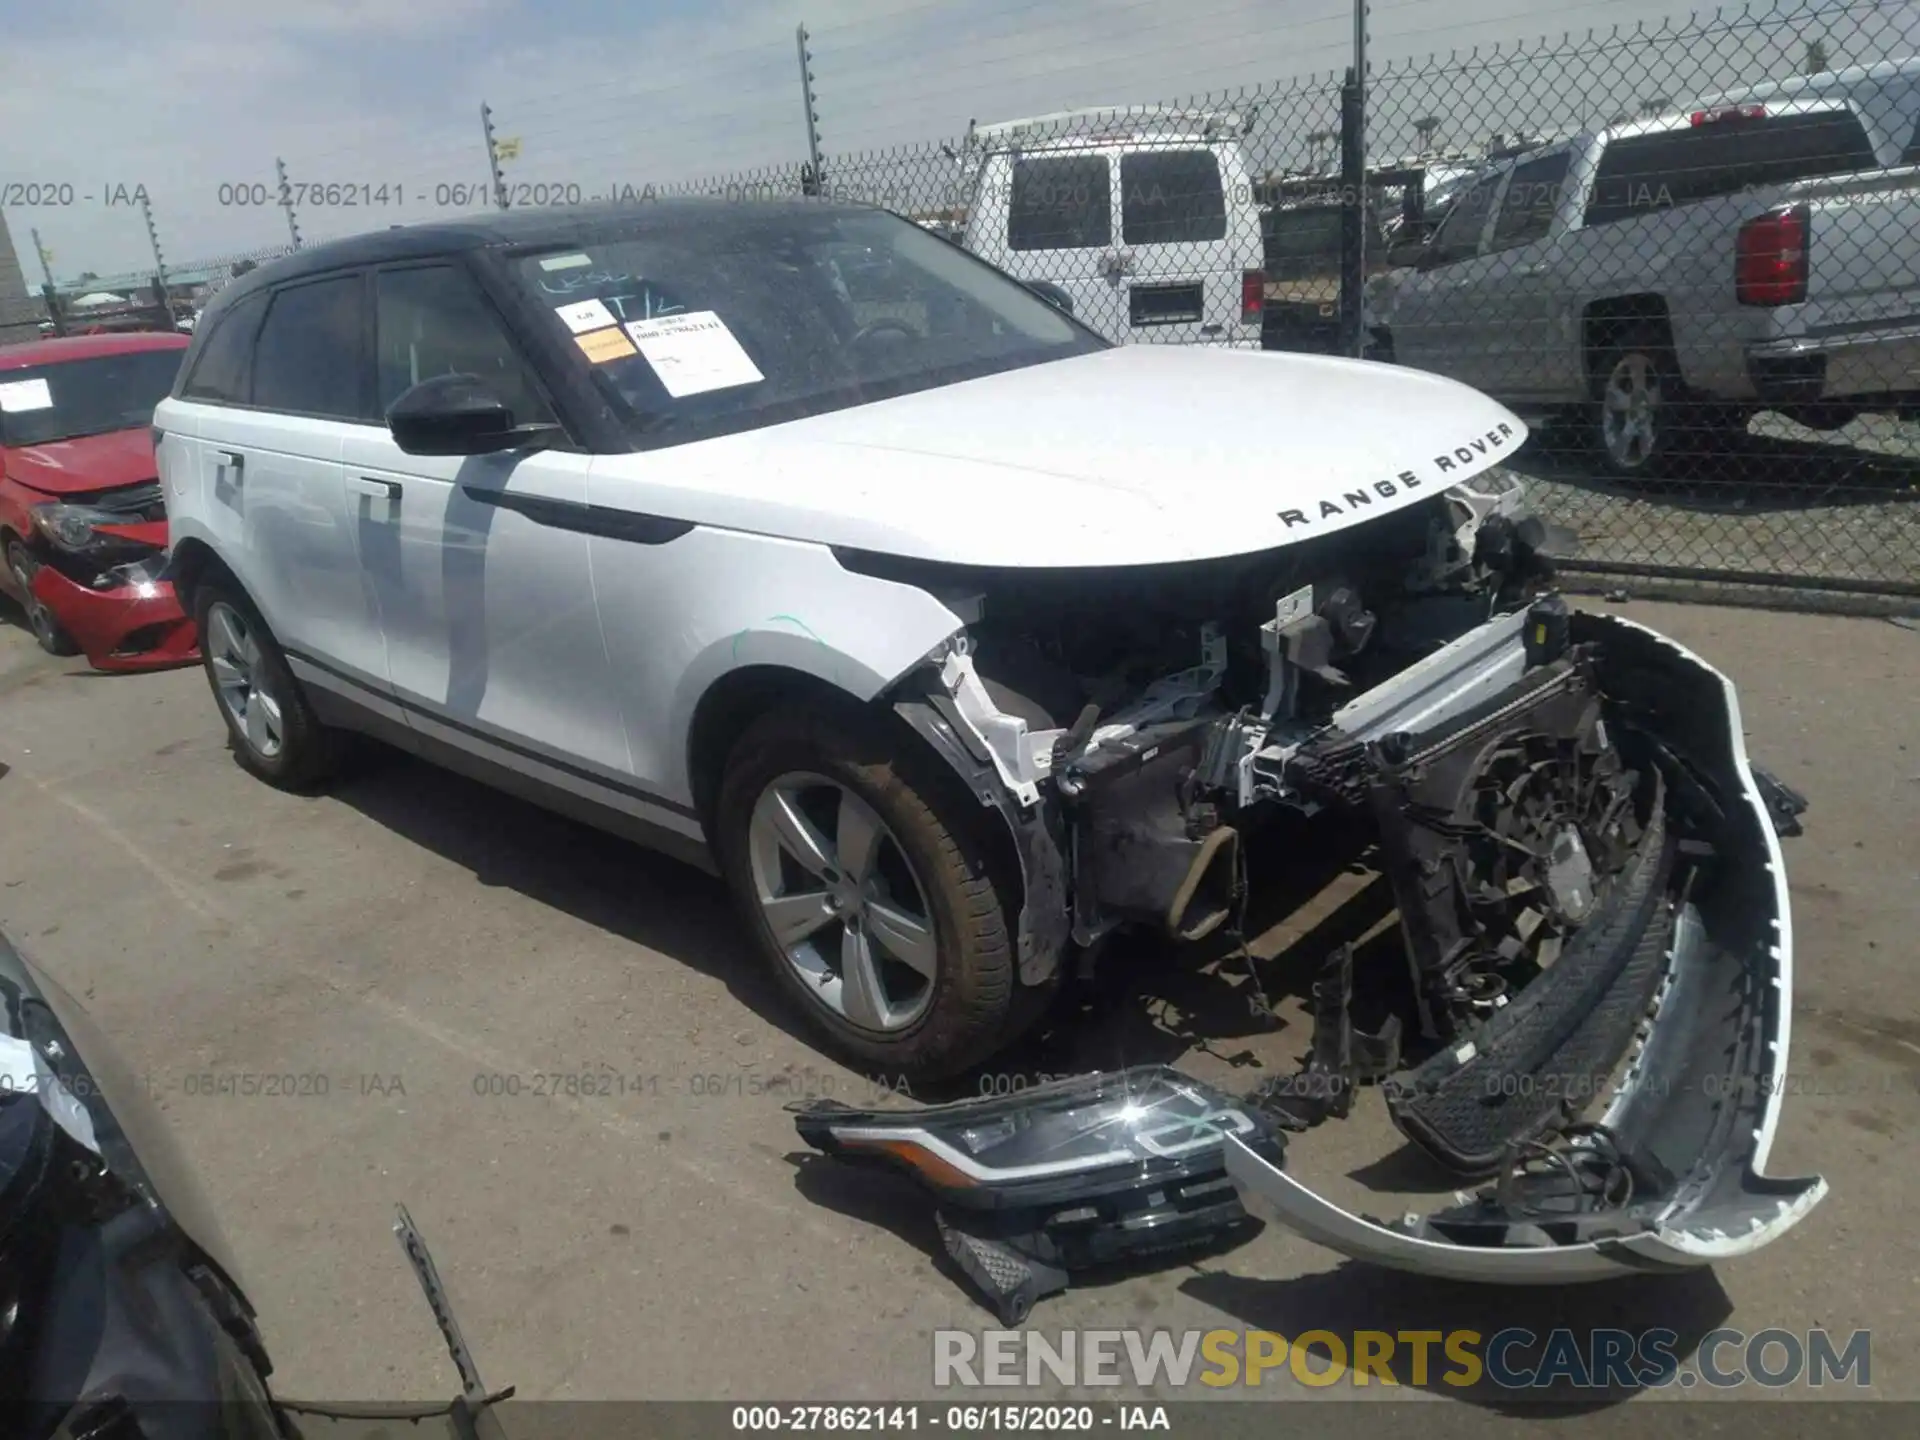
83, 524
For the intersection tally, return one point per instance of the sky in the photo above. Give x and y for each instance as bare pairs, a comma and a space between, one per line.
193, 101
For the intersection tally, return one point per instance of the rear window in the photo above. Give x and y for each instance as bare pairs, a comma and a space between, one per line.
1657, 172
1060, 202
1171, 196
1303, 242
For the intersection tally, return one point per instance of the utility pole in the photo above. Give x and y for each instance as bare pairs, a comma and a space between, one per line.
286, 201
1353, 186
493, 157
815, 181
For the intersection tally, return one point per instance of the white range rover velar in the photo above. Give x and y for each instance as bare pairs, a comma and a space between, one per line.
794, 540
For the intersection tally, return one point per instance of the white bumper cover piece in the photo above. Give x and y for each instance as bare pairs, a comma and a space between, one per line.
1703, 1089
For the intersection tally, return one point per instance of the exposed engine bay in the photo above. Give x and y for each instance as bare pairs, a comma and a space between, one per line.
1560, 804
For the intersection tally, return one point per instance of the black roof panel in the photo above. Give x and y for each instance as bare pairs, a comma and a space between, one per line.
514, 228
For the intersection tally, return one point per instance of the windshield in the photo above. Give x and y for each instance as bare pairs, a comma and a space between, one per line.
736, 320
95, 396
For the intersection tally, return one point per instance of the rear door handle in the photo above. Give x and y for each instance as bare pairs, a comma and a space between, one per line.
233, 461
378, 489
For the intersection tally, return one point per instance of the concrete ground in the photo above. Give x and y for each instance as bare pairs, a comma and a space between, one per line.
416, 945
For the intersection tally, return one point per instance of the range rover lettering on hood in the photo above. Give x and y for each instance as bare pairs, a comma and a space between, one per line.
1138, 455
1338, 507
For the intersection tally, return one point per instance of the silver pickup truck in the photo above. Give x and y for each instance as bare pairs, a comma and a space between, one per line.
1666, 279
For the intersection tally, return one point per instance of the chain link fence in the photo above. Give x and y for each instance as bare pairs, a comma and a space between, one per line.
1688, 253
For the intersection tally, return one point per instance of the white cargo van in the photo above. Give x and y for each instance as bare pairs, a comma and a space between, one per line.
1143, 220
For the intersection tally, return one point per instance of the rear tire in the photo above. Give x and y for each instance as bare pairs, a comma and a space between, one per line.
271, 725
896, 948
1636, 389
48, 632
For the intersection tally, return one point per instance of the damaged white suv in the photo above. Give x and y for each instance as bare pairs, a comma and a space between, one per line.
794, 540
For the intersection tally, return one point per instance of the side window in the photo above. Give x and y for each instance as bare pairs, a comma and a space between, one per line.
434, 320
1911, 155
222, 370
1458, 237
1168, 196
1533, 195
1061, 202
309, 358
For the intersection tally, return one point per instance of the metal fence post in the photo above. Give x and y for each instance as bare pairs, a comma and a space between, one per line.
493, 157
1353, 214
812, 180
286, 202
161, 289
47, 290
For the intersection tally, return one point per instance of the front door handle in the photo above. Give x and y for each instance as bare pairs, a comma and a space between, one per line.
234, 461
378, 489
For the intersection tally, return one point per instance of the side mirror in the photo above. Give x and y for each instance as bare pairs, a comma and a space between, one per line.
458, 415
1051, 293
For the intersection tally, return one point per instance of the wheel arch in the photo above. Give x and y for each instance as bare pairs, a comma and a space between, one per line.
732, 703
194, 561
1016, 844
1603, 322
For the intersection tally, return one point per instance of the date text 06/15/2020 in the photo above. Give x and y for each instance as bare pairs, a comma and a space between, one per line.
908, 1418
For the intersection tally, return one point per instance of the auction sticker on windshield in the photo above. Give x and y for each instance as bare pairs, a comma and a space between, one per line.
693, 353
603, 345
20, 396
585, 315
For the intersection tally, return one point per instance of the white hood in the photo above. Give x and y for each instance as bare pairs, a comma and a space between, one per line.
1138, 455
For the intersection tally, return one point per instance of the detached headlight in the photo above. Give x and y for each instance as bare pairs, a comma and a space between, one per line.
73, 528
1081, 1172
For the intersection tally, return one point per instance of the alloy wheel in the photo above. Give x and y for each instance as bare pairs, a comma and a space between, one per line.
1629, 411
843, 902
240, 676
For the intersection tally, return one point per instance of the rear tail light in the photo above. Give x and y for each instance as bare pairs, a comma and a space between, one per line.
1253, 294
158, 435
1770, 265
1730, 112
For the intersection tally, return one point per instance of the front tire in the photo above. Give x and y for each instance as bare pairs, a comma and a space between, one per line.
869, 882
271, 726
48, 632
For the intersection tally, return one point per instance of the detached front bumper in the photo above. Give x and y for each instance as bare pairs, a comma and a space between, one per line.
135, 623
1617, 1110
1697, 1105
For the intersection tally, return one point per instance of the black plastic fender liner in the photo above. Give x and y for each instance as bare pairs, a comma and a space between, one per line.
1045, 928
1701, 1097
